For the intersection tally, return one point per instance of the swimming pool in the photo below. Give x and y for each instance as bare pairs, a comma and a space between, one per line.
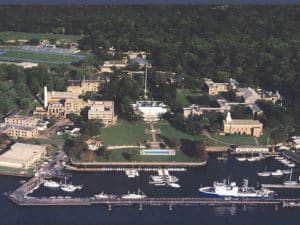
158, 152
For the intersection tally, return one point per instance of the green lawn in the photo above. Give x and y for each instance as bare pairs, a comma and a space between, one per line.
15, 171
168, 131
236, 139
45, 58
183, 94
265, 138
116, 156
125, 133
11, 35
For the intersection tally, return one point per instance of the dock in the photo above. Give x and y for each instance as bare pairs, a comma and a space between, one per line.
280, 186
217, 149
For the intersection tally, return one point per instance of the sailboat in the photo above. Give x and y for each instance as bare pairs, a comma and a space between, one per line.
290, 182
264, 174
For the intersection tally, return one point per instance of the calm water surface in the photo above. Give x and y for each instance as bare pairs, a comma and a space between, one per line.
118, 183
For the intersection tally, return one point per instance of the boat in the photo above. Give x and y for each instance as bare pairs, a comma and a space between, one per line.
252, 159
139, 195
286, 171
291, 165
241, 159
51, 184
264, 174
277, 173
225, 190
132, 173
279, 157
290, 182
68, 188
174, 185
102, 195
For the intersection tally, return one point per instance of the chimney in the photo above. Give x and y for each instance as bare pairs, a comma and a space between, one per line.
45, 97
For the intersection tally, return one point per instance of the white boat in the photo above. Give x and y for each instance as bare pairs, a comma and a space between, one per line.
290, 182
139, 195
226, 190
291, 165
241, 159
252, 159
102, 195
51, 184
132, 173
68, 188
277, 173
279, 157
174, 185
286, 171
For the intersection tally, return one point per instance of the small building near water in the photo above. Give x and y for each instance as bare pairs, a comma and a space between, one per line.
250, 149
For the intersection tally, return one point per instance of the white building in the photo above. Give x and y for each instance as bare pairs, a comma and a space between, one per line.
150, 110
249, 95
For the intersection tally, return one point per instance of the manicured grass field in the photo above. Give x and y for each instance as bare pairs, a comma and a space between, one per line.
236, 139
11, 35
39, 57
125, 133
117, 156
183, 94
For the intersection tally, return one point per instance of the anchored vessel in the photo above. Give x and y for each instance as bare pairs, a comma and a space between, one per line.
225, 189
139, 195
51, 184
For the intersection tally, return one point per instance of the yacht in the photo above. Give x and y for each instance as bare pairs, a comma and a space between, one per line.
68, 188
51, 184
279, 157
102, 195
264, 174
277, 173
225, 189
241, 159
291, 165
290, 182
139, 195
174, 185
286, 171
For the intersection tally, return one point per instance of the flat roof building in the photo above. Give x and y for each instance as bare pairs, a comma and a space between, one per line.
102, 110
84, 86
22, 155
22, 120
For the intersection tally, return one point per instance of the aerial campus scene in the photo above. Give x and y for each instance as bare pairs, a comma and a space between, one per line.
149, 114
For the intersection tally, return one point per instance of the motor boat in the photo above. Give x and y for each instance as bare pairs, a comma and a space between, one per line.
102, 195
277, 173
51, 184
174, 185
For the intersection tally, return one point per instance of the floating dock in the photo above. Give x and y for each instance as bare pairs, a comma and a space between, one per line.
280, 186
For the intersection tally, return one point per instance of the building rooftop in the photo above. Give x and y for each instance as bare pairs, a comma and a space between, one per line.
243, 122
61, 95
248, 93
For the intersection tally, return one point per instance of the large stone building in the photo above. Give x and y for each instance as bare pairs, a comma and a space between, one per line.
82, 87
216, 88
109, 65
18, 131
102, 110
22, 155
242, 126
21, 120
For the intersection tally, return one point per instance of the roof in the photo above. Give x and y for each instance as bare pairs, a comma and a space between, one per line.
137, 60
248, 93
243, 122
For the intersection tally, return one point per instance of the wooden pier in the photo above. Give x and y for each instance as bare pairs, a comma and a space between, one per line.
67, 201
280, 186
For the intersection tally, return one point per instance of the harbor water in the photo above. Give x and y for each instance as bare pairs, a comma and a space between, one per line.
118, 183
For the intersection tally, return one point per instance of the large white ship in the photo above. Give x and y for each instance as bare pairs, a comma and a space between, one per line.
226, 189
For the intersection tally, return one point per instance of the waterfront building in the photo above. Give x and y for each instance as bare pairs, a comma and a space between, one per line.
150, 110
242, 126
102, 110
216, 88
22, 155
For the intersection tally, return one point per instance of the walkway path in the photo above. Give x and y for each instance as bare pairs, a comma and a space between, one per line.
207, 134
